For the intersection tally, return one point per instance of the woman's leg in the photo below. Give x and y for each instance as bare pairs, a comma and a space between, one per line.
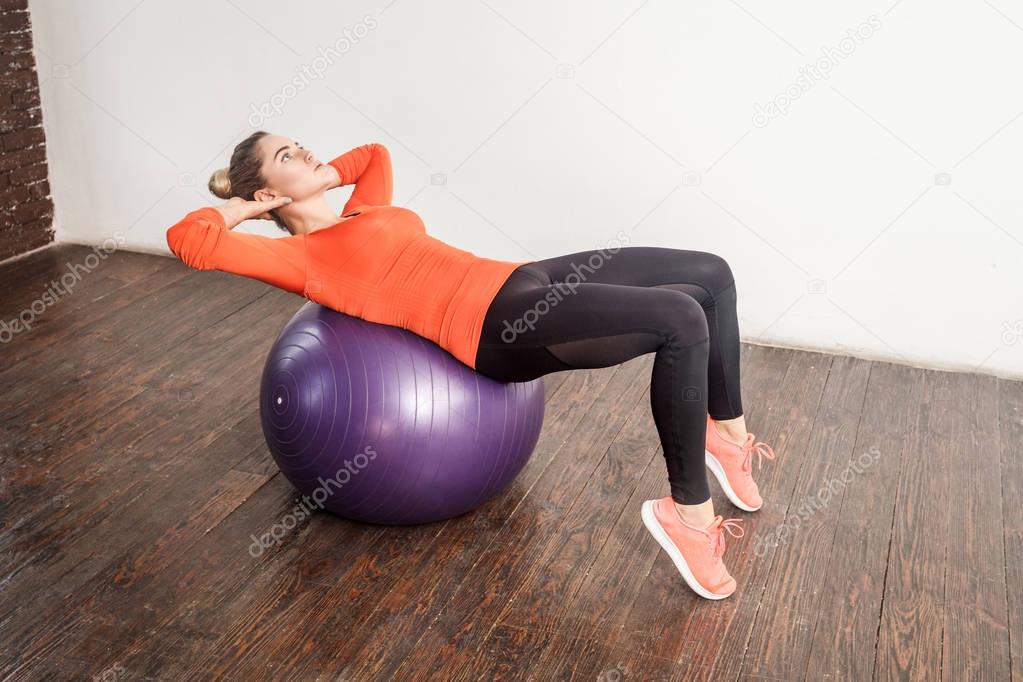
535, 327
704, 276
708, 279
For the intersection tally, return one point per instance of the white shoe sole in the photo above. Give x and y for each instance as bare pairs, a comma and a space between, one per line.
719, 473
654, 526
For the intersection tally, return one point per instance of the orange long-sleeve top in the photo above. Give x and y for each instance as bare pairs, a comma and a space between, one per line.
379, 265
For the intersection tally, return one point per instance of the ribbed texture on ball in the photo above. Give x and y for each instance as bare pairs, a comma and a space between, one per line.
377, 424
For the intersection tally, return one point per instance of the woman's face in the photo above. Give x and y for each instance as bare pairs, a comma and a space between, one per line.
291, 170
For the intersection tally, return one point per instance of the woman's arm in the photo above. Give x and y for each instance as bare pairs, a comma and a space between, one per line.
202, 240
369, 167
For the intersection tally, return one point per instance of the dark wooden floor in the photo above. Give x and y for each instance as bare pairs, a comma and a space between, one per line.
134, 475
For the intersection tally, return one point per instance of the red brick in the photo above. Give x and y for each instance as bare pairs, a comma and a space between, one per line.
20, 230
24, 176
33, 210
19, 139
12, 43
18, 119
32, 236
15, 195
22, 158
25, 98
39, 190
14, 20
17, 62
26, 78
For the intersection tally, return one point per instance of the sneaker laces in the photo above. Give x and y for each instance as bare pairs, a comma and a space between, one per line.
717, 530
752, 446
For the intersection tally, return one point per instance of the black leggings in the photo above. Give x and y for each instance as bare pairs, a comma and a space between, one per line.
600, 308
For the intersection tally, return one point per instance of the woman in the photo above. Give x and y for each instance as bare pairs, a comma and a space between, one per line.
510, 320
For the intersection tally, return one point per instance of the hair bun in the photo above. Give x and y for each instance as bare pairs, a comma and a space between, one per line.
220, 184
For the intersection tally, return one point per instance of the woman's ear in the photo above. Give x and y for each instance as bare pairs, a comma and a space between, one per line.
263, 194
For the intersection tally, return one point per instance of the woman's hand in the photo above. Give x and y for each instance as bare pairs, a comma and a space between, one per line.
238, 210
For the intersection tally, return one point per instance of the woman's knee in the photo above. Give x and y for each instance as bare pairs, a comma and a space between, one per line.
716, 274
684, 319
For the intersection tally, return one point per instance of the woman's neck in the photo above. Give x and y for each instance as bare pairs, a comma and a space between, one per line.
309, 215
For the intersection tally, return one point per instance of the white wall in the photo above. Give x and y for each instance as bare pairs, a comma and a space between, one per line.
879, 215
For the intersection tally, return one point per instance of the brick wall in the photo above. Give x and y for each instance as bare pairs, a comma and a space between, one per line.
26, 209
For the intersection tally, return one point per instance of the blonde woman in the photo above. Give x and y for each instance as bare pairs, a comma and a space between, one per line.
510, 320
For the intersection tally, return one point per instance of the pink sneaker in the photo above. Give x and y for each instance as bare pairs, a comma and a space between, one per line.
696, 553
732, 465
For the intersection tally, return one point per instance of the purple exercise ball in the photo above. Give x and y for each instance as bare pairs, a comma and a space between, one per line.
377, 424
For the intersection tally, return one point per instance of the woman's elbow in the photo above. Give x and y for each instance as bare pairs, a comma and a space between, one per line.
185, 246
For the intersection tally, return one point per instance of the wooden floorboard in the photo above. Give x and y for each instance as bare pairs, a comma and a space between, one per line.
800, 546
134, 476
857, 509
1010, 436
